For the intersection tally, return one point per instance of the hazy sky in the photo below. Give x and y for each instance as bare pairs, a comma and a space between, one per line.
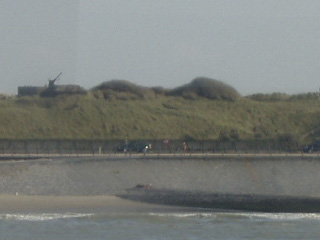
253, 45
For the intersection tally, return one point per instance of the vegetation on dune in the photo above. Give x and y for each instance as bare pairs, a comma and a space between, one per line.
200, 87
124, 90
274, 97
207, 88
269, 97
203, 109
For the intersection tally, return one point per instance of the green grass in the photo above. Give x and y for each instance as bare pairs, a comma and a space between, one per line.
138, 114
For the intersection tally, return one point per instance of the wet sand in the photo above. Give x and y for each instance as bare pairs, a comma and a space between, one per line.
11, 204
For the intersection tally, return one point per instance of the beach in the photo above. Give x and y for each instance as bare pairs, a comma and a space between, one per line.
78, 183
24, 204
74, 197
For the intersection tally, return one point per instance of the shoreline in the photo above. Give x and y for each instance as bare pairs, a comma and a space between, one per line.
107, 204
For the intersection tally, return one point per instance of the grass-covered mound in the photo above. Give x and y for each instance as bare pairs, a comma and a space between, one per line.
124, 90
206, 88
118, 110
199, 88
172, 117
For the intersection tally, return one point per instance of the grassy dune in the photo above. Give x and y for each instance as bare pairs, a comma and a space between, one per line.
129, 111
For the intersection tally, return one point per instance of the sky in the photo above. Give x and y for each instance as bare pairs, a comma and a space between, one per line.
256, 46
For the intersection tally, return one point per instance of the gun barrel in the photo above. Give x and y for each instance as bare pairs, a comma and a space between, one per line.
57, 76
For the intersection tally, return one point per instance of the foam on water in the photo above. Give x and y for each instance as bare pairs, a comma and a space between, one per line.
281, 216
182, 215
210, 215
243, 215
43, 216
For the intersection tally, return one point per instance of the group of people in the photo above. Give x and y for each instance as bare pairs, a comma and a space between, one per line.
184, 145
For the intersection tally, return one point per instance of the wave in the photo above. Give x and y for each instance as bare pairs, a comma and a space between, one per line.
43, 216
283, 216
198, 215
243, 215
182, 215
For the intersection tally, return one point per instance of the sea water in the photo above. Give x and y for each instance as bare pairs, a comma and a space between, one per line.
155, 225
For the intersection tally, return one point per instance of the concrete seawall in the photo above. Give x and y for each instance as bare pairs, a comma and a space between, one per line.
274, 175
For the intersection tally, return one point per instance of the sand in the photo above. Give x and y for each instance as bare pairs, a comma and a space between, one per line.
10, 204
